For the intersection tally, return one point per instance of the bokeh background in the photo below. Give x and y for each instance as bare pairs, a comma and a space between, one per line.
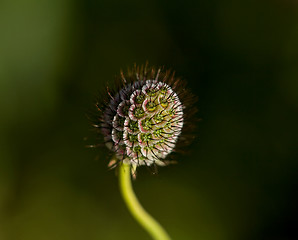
239, 179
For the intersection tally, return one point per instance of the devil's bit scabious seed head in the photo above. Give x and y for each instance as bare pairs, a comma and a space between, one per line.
143, 119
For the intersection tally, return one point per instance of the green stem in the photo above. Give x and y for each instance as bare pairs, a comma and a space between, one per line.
139, 213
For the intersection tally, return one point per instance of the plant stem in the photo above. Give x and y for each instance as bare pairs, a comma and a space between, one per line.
139, 213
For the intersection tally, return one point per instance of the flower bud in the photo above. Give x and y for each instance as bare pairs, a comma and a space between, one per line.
143, 120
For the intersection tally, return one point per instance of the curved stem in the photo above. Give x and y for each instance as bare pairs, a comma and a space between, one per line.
139, 213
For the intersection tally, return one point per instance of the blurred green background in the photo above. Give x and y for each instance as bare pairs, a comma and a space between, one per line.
238, 182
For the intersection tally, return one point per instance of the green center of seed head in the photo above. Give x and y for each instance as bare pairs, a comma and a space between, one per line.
164, 102
151, 92
163, 90
146, 137
168, 125
137, 149
151, 106
133, 138
138, 112
172, 112
139, 99
158, 117
147, 124
158, 132
133, 125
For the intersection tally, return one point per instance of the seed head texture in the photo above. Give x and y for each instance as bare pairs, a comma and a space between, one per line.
142, 121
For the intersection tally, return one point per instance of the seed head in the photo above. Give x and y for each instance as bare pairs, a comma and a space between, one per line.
143, 119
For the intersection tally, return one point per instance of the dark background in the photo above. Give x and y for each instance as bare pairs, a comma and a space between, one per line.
239, 181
